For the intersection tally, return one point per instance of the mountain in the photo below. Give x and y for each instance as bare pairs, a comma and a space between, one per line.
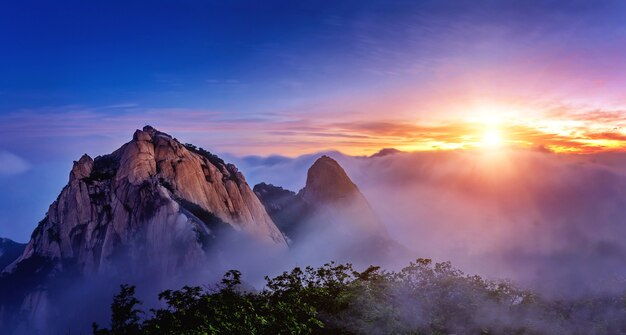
154, 203
386, 152
152, 189
330, 210
9, 251
329, 188
328, 192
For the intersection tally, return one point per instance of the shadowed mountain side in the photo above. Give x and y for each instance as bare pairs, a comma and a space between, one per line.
284, 207
9, 251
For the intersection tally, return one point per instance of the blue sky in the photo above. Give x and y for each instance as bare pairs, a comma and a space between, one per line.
295, 77
173, 54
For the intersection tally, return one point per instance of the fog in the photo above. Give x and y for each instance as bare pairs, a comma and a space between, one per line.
551, 222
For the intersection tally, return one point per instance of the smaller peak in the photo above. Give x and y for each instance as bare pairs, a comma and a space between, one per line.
85, 158
141, 135
147, 133
386, 152
327, 181
149, 128
324, 159
326, 164
81, 168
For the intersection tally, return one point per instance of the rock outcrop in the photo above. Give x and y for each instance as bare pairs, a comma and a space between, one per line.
153, 192
153, 204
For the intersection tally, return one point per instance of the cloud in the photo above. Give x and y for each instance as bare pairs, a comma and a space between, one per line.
548, 221
11, 164
563, 128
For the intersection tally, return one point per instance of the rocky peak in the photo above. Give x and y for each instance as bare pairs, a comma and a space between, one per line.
330, 208
327, 182
328, 198
149, 129
154, 207
329, 190
151, 189
81, 168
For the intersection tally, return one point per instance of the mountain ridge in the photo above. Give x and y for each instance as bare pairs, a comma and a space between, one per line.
9, 251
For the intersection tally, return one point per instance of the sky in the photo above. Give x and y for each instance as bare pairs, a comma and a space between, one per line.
297, 77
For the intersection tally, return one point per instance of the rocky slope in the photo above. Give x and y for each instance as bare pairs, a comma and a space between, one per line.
9, 251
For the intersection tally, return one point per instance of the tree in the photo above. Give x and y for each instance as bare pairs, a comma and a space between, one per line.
125, 316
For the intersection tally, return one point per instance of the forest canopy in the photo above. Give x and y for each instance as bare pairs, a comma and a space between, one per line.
422, 298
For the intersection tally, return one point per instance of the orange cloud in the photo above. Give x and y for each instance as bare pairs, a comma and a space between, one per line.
561, 129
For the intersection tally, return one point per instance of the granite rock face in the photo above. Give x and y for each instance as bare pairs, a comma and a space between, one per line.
149, 197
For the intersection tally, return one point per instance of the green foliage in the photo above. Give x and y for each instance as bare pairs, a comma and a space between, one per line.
125, 316
39, 227
210, 219
422, 298
214, 159
225, 168
104, 168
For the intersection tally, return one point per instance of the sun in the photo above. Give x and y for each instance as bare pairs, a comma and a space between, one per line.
491, 138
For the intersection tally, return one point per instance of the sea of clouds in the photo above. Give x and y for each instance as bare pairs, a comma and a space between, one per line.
552, 222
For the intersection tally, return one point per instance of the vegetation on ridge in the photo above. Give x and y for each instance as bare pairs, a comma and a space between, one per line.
422, 298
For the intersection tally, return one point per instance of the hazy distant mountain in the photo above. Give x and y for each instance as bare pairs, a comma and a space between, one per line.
385, 152
9, 251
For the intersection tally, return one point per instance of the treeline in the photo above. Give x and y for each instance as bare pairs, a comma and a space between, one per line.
422, 298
